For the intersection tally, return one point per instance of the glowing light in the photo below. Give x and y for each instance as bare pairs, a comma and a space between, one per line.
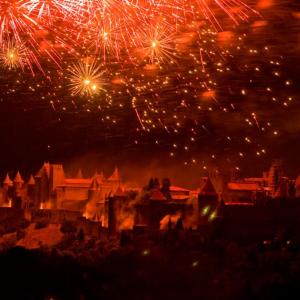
159, 44
13, 55
86, 79
205, 210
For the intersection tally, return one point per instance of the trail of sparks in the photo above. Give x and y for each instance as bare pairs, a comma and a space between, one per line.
170, 56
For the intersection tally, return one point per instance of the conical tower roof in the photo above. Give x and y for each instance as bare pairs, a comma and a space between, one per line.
7, 180
157, 195
115, 175
120, 192
18, 178
79, 174
44, 169
94, 184
282, 190
208, 188
101, 175
31, 180
100, 178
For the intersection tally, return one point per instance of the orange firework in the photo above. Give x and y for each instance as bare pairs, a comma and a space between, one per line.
13, 55
86, 78
159, 44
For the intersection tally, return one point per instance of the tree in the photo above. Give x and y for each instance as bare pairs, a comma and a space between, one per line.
165, 189
151, 184
156, 183
179, 224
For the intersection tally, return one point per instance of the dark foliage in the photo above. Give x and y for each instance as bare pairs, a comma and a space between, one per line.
169, 267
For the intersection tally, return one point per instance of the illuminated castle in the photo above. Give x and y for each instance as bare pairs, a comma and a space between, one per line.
155, 206
273, 184
50, 188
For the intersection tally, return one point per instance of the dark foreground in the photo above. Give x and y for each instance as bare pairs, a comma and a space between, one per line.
165, 269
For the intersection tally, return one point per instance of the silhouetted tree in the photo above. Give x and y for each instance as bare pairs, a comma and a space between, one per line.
151, 184
179, 224
156, 183
165, 189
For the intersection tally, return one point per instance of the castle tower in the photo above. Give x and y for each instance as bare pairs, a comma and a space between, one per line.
101, 176
94, 190
31, 190
115, 177
208, 201
275, 175
42, 178
7, 190
57, 176
79, 174
94, 210
115, 204
7, 181
18, 181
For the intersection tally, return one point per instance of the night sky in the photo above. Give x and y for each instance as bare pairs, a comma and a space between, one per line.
77, 132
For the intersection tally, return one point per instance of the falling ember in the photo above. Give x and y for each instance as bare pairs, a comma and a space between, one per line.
175, 58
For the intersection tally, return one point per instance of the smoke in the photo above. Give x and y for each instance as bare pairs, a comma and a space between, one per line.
169, 220
127, 214
135, 172
93, 212
127, 222
264, 4
191, 220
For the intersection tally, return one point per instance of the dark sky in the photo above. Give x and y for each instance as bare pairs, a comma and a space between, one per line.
33, 132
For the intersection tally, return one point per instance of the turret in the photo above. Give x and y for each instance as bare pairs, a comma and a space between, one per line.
79, 174
7, 182
18, 181
115, 176
115, 205
7, 190
208, 201
31, 189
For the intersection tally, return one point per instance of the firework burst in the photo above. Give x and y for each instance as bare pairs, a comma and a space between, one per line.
159, 44
48, 10
13, 55
86, 78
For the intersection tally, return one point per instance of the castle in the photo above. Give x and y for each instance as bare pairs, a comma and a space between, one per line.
50, 188
272, 184
51, 193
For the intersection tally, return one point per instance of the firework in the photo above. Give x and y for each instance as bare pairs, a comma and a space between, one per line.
15, 21
159, 44
48, 10
169, 61
86, 78
13, 55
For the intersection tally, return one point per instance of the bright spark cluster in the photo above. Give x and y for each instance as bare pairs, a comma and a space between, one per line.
170, 62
